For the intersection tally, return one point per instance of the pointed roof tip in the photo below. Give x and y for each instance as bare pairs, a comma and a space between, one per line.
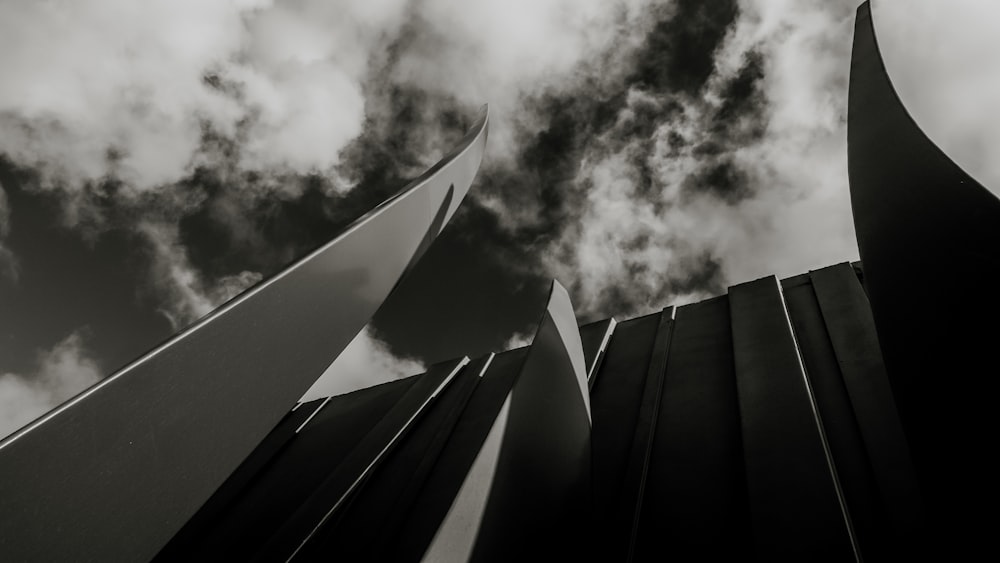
483, 119
559, 292
557, 286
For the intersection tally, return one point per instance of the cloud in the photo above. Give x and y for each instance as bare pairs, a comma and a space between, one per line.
98, 89
9, 267
955, 43
62, 372
106, 88
686, 194
710, 153
519, 340
267, 125
185, 295
645, 153
366, 361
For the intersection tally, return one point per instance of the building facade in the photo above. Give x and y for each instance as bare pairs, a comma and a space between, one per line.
821, 417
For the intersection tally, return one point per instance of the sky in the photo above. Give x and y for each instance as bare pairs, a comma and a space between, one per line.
158, 158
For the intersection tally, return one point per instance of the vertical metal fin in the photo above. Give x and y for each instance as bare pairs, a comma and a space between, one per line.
796, 505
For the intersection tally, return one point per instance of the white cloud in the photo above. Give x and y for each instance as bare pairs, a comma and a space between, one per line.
97, 88
519, 340
366, 361
62, 372
796, 213
185, 293
85, 77
801, 217
94, 88
942, 58
500, 50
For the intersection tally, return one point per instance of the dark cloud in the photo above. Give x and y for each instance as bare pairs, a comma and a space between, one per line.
722, 178
741, 117
704, 274
679, 53
739, 120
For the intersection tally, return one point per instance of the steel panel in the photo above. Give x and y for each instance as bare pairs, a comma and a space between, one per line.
929, 237
374, 514
839, 423
420, 523
539, 499
796, 507
695, 505
849, 323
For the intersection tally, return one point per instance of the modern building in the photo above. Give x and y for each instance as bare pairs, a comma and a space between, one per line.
828, 416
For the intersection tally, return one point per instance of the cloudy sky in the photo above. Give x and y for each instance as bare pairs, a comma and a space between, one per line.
156, 158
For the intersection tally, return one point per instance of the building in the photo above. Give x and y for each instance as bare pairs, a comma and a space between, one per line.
827, 416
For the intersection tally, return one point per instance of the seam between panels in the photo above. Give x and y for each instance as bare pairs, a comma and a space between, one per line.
841, 499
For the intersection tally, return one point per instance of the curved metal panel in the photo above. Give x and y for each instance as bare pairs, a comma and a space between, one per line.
115, 472
539, 501
408, 537
456, 535
929, 237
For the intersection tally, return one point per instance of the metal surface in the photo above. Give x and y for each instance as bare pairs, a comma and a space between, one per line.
616, 400
797, 507
237, 522
485, 473
839, 423
848, 320
333, 493
457, 463
929, 237
116, 471
695, 500
539, 501
375, 512
637, 470
526, 494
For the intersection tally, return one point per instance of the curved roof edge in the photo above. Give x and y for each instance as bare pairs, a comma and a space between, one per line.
929, 237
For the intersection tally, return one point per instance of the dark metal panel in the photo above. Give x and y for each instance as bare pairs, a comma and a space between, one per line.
795, 503
218, 506
539, 501
848, 320
121, 467
410, 540
615, 401
242, 527
695, 506
332, 494
915, 209
839, 424
378, 507
626, 525
595, 337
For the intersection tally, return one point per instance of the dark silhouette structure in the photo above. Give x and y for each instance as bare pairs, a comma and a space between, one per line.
914, 207
820, 417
